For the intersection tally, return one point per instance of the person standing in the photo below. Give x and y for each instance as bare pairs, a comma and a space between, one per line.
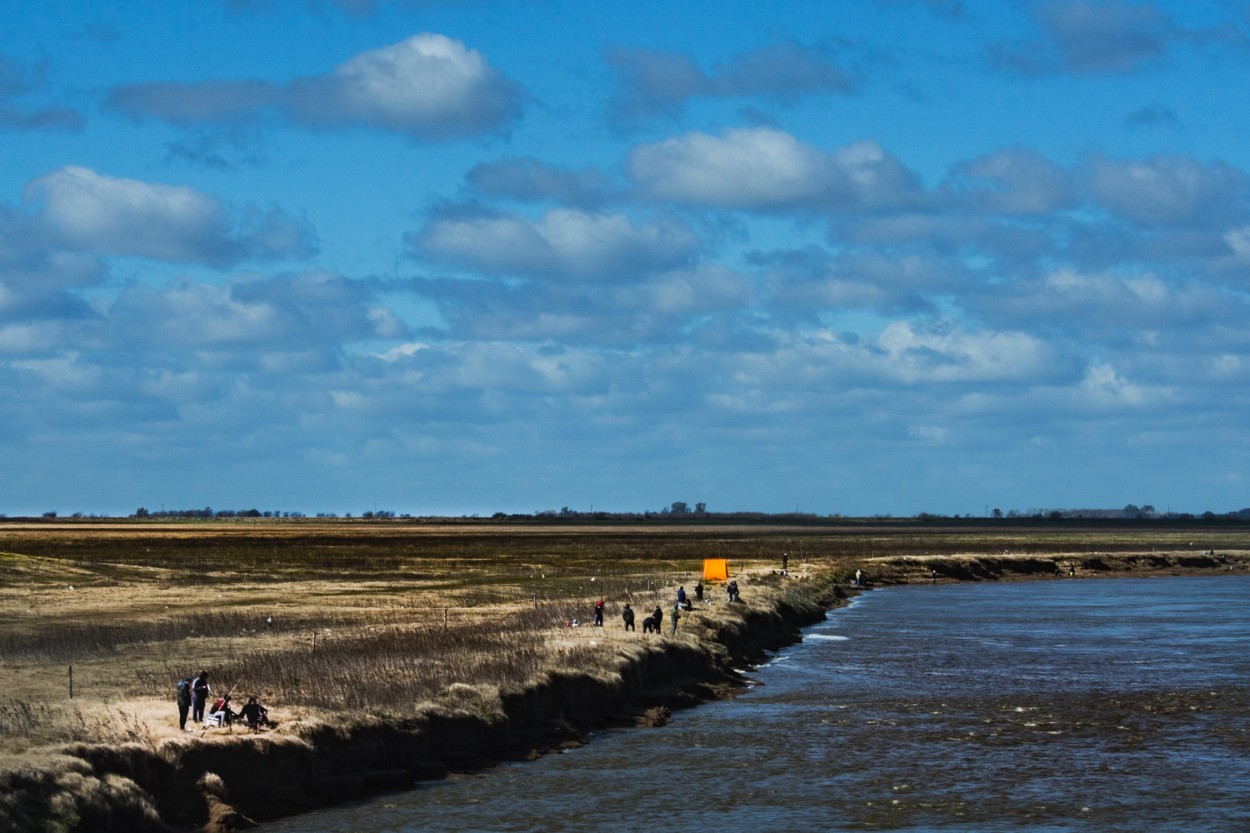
182, 696
599, 613
628, 615
698, 591
676, 615
658, 617
200, 689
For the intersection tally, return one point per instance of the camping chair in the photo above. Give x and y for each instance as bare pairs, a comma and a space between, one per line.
218, 718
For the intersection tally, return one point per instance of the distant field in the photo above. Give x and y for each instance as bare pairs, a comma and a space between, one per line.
347, 615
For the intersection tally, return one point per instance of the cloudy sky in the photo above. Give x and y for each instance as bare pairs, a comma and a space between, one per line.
463, 256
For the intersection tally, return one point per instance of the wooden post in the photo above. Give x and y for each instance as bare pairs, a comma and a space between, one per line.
314, 643
71, 682
444, 618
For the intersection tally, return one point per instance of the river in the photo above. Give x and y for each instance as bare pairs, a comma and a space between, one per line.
1102, 705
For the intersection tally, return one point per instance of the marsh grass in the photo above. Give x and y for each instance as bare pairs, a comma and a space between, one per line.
400, 613
391, 667
25, 724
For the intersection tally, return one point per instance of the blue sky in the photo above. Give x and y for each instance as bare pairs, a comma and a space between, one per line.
881, 256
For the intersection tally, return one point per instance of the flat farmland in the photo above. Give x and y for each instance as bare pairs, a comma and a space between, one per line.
325, 617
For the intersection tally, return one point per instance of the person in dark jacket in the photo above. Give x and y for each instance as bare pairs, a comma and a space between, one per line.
255, 714
628, 615
200, 689
182, 697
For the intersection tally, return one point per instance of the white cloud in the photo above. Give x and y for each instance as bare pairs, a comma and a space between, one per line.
1106, 36
1171, 191
1239, 241
1097, 37
1104, 387
1093, 303
654, 83
563, 243
769, 169
1015, 181
948, 354
429, 86
403, 351
92, 212
126, 216
656, 308
202, 102
295, 323
932, 434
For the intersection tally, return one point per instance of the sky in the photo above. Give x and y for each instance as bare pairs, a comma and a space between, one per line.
459, 257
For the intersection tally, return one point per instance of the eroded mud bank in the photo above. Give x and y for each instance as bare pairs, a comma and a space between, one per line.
228, 782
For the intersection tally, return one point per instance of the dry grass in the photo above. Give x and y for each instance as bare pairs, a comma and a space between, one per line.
322, 617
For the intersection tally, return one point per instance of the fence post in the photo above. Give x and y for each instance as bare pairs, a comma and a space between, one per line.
71, 682
444, 618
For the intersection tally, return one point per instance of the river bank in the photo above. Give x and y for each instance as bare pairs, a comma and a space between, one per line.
226, 781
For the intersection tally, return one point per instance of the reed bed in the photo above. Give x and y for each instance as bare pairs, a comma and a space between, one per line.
384, 616
24, 724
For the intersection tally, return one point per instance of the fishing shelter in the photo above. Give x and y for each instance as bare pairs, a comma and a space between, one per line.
715, 569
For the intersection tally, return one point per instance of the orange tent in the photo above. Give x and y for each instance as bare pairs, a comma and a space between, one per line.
715, 569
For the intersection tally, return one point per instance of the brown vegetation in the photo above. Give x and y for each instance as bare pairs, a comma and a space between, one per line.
408, 632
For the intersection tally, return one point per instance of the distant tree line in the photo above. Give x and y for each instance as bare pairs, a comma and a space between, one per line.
208, 513
682, 512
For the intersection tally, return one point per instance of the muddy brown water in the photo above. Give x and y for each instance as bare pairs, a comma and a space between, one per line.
1116, 705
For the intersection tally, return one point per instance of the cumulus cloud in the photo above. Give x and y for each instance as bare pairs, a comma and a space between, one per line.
194, 103
1083, 36
1088, 304
1094, 37
810, 282
1103, 387
660, 83
253, 319
655, 308
429, 87
1015, 181
1174, 190
945, 233
565, 244
83, 210
942, 352
765, 168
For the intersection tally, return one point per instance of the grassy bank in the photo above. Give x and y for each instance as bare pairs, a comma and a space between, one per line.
396, 651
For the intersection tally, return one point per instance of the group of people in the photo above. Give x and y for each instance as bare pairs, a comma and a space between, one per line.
192, 695
653, 622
